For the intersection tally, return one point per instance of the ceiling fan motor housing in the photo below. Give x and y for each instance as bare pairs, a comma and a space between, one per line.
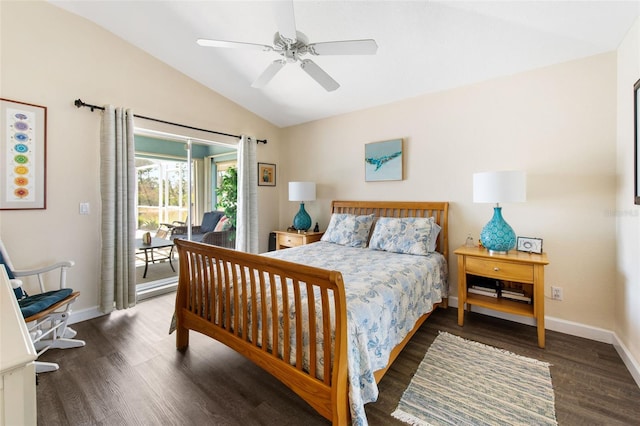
291, 52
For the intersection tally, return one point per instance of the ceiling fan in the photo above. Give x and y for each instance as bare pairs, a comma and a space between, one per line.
292, 45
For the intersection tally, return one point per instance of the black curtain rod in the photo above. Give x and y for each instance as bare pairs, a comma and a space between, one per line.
78, 103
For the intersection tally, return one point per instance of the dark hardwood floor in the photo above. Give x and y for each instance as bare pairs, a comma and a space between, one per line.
131, 374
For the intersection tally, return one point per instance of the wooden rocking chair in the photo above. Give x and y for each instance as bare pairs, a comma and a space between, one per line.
46, 313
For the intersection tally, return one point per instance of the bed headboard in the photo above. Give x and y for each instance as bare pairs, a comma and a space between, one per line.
439, 210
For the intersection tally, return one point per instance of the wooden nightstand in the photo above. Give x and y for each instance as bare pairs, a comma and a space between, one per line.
516, 268
285, 239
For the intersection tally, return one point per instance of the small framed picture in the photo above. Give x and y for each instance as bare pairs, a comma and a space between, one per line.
266, 174
530, 245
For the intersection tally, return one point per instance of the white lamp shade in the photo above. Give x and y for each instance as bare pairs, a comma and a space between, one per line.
499, 187
302, 191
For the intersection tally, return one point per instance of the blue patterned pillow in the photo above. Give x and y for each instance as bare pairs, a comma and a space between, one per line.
348, 230
410, 235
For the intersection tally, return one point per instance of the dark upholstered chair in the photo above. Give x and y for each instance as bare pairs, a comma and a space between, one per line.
46, 313
204, 233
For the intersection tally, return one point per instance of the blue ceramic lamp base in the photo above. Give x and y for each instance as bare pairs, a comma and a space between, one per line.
497, 236
302, 220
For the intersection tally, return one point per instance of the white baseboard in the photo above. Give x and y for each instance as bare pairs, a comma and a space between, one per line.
85, 314
573, 329
632, 365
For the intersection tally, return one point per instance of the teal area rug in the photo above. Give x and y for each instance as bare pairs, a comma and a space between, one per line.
460, 382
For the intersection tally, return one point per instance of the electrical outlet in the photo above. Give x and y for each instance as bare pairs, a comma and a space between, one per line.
556, 293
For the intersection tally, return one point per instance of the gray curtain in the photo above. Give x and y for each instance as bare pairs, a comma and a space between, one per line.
117, 189
247, 214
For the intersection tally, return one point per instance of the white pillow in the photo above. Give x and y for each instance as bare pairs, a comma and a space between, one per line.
433, 239
348, 230
409, 235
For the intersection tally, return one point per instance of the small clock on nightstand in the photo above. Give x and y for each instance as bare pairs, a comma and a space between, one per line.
530, 245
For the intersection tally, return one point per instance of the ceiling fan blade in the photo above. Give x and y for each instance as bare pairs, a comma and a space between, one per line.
319, 75
345, 47
286, 21
233, 44
268, 73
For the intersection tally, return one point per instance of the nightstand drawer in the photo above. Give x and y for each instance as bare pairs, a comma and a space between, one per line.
498, 269
290, 240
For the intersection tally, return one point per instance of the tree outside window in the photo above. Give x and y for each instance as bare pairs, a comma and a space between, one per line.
228, 192
162, 192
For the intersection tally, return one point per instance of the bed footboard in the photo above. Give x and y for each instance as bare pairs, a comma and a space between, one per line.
278, 314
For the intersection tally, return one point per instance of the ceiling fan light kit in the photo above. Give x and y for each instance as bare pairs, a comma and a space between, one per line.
292, 45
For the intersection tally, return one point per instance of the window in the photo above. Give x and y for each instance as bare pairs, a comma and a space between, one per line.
162, 192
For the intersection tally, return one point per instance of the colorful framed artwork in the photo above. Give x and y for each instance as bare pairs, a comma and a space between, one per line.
266, 174
383, 161
23, 155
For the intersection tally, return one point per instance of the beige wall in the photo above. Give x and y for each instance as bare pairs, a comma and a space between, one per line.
627, 301
557, 123
50, 57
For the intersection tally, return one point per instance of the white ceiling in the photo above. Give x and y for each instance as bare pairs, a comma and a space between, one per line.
423, 46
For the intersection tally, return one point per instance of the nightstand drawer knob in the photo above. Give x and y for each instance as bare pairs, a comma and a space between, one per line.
495, 268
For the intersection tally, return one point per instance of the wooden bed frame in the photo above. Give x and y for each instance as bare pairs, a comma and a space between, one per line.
217, 289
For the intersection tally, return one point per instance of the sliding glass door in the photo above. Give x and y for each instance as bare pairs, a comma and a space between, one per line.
177, 180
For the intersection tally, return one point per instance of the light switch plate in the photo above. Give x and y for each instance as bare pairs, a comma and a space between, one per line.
84, 208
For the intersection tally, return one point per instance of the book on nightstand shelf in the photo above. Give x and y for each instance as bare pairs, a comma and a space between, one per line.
516, 297
515, 294
483, 291
508, 294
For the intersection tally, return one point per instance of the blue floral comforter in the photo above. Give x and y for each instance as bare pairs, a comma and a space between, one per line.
386, 294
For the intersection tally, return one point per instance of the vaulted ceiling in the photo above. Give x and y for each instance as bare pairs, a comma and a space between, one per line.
423, 46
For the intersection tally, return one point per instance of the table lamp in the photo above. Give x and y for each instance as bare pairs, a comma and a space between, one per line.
302, 191
499, 187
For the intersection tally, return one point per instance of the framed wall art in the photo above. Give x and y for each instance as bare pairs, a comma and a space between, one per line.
266, 174
383, 161
636, 136
23, 155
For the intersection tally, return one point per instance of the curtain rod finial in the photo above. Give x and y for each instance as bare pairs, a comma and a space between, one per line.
264, 141
78, 103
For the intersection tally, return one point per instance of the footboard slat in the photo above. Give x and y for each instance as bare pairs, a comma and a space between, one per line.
236, 302
286, 337
217, 285
256, 305
326, 331
254, 309
274, 314
245, 312
298, 308
312, 330
264, 313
